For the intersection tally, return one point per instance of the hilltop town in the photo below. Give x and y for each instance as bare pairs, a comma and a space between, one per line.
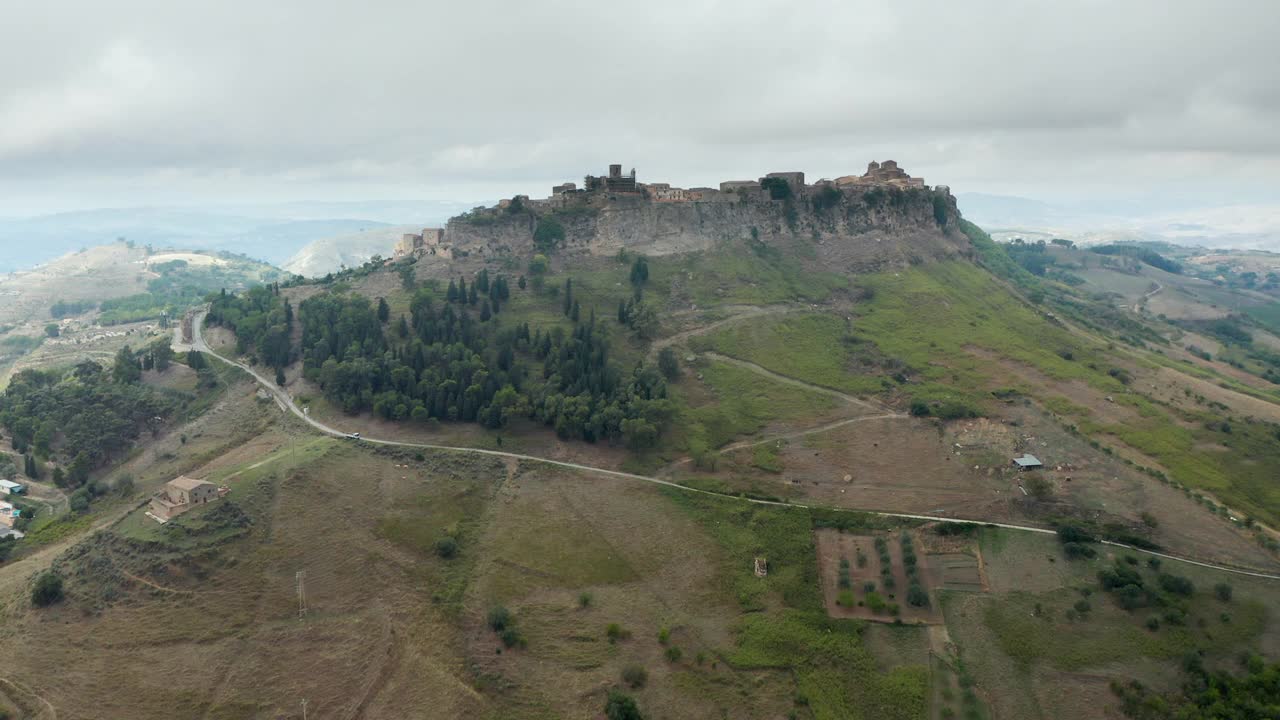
616, 210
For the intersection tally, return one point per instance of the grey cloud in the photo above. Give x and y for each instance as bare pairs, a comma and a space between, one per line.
309, 99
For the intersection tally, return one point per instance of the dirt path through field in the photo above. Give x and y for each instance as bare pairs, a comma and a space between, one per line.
739, 313
285, 401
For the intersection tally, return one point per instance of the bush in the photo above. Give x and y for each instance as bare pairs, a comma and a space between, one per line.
47, 590
674, 654
499, 618
1223, 592
620, 706
1076, 551
447, 547
511, 637
615, 632
635, 676
916, 596
584, 599
1176, 584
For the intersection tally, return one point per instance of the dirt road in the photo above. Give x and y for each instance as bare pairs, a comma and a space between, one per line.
285, 401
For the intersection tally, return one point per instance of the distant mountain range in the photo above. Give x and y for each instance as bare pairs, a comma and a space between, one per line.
1244, 226
271, 233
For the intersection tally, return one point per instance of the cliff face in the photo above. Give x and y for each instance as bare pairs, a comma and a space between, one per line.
850, 228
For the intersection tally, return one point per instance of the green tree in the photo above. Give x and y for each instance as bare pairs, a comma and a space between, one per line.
52, 330
640, 271
548, 234
161, 354
384, 310
30, 469
47, 590
668, 363
280, 379
644, 321
126, 368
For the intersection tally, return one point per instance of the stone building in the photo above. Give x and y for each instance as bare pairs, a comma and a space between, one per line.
180, 495
886, 173
739, 185
614, 182
794, 179
663, 192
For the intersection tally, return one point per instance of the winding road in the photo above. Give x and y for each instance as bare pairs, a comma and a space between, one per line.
286, 403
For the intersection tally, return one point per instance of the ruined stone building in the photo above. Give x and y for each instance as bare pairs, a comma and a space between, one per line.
614, 182
886, 173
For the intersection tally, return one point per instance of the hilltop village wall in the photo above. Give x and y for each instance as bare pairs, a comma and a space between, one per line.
883, 216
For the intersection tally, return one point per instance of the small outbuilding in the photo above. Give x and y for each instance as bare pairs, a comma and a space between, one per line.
9, 487
1027, 462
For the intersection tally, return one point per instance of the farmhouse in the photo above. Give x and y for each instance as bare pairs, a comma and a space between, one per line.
8, 514
180, 495
1027, 462
9, 487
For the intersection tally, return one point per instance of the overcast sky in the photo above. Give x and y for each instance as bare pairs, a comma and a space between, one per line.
134, 102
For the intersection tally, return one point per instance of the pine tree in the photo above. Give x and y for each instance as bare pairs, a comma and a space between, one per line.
483, 280
577, 311
384, 310
568, 295
522, 282
485, 312
29, 467
622, 313
452, 294
280, 377
473, 297
462, 290
496, 304
403, 329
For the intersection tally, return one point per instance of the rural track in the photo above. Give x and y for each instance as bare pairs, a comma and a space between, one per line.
783, 379
285, 401
739, 313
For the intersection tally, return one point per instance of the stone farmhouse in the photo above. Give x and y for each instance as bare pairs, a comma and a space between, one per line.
180, 495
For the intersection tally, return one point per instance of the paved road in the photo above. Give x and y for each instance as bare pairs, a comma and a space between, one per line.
286, 403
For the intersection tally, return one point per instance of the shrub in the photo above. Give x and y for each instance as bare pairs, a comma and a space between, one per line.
674, 654
1223, 592
47, 590
447, 547
635, 676
499, 618
615, 632
620, 706
664, 636
511, 637
1176, 584
916, 596
845, 598
584, 599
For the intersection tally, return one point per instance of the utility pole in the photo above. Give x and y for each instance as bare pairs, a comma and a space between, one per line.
304, 709
301, 577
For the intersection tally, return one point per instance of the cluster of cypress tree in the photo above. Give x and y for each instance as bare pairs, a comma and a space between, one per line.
443, 363
261, 320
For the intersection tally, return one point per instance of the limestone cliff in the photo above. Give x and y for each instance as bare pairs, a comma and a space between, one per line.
850, 228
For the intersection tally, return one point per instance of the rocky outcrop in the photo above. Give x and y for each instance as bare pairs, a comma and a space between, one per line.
848, 227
